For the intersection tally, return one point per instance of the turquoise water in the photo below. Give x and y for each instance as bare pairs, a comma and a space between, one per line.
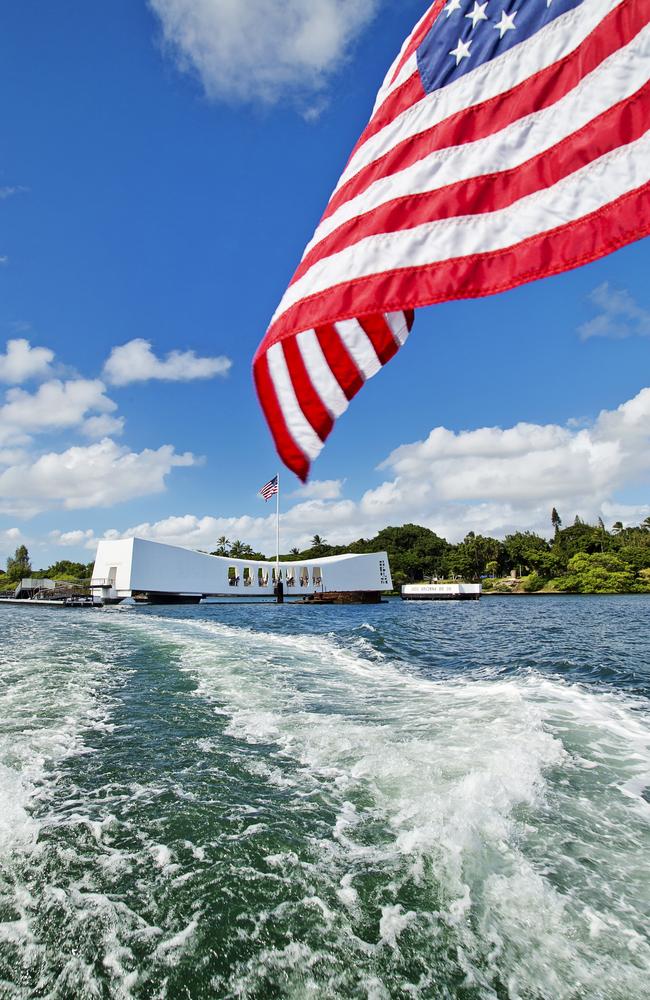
410, 801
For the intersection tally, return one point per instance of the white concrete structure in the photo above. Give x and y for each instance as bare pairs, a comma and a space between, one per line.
442, 592
133, 565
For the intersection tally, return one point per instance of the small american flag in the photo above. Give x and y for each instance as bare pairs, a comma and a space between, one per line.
509, 141
269, 489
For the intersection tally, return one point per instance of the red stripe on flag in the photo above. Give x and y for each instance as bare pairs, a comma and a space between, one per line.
419, 35
618, 126
381, 337
584, 240
336, 354
411, 91
309, 400
289, 452
482, 120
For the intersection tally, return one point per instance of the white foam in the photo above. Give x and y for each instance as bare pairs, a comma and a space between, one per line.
521, 797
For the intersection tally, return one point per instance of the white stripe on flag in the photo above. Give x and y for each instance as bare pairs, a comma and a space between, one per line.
399, 327
359, 347
617, 78
559, 38
573, 197
389, 85
320, 373
297, 424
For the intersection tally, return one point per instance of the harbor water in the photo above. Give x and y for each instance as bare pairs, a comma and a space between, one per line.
445, 801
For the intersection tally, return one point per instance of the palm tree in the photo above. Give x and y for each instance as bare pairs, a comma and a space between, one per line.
646, 524
240, 550
294, 552
318, 543
223, 546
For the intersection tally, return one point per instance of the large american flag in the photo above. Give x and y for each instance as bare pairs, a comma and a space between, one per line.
509, 141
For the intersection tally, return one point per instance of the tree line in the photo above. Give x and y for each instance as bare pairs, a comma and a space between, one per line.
578, 558
19, 567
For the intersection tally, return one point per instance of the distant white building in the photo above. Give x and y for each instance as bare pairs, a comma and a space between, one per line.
168, 573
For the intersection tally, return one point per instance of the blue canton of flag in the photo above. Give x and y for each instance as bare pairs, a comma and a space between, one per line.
468, 34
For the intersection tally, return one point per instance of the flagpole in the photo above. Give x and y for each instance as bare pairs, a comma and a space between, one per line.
277, 531
278, 579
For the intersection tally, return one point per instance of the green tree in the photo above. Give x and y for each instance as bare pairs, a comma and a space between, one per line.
223, 547
416, 552
19, 565
318, 543
597, 573
70, 570
556, 520
522, 550
470, 558
577, 538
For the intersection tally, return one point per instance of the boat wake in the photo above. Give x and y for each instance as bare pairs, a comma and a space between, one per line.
297, 816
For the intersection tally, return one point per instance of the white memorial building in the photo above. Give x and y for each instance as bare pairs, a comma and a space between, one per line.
169, 574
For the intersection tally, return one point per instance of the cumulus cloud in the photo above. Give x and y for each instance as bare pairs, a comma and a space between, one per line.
10, 539
72, 539
103, 425
55, 405
320, 489
499, 479
490, 480
136, 362
21, 362
619, 316
261, 50
98, 475
299, 524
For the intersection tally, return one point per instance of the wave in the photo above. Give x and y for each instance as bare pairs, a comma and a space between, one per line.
487, 832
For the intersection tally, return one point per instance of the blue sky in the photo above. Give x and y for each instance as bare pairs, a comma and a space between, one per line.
163, 192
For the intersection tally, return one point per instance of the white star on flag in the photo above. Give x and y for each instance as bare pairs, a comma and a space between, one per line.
461, 51
507, 23
452, 6
478, 14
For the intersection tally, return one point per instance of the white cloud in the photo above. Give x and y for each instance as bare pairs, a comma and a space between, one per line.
261, 50
21, 362
12, 456
619, 317
136, 362
98, 475
320, 489
55, 405
72, 539
496, 480
102, 426
10, 539
489, 480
